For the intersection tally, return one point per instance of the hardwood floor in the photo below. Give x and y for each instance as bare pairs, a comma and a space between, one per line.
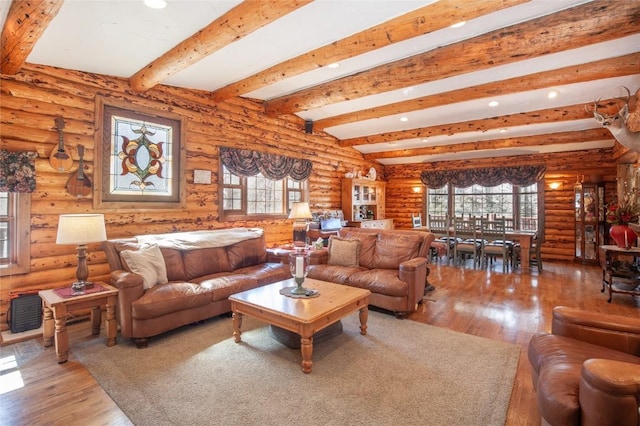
487, 303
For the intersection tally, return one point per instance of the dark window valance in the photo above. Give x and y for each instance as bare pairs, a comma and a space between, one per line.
492, 176
244, 162
17, 171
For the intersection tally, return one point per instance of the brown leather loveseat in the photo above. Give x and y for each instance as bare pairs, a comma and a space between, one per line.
392, 264
169, 280
587, 371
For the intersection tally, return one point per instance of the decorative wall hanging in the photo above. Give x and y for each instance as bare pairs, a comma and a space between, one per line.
79, 183
139, 158
17, 171
60, 158
245, 162
492, 176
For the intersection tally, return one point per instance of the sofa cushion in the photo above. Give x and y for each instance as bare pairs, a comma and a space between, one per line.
557, 362
206, 261
147, 262
174, 264
344, 252
393, 249
380, 281
331, 273
222, 286
368, 243
247, 253
164, 299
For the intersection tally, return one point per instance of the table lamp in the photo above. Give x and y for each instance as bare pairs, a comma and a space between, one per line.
81, 229
300, 212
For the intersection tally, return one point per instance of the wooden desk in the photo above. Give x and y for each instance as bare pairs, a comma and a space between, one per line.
56, 308
625, 272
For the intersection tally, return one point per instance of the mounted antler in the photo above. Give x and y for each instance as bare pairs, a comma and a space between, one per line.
616, 124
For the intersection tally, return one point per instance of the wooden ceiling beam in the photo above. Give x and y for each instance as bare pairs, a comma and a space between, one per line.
26, 22
606, 68
240, 21
575, 27
551, 115
421, 21
521, 142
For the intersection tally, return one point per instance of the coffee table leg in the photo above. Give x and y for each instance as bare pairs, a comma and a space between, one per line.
306, 347
364, 315
237, 323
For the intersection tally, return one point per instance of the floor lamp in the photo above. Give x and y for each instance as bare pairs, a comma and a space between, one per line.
81, 229
300, 212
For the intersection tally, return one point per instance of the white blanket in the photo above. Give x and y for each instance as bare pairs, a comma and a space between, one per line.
201, 239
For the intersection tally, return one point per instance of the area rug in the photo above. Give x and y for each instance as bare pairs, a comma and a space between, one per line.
401, 372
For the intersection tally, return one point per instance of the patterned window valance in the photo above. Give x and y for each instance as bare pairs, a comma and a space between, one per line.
244, 162
521, 175
17, 171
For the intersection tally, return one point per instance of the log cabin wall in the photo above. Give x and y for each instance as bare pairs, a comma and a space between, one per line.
405, 191
32, 99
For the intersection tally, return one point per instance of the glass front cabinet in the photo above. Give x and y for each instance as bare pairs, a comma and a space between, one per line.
590, 221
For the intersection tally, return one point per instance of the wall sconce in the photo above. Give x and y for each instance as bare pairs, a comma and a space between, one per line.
417, 189
300, 212
81, 229
555, 185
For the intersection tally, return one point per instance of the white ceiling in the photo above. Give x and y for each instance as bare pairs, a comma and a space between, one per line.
120, 37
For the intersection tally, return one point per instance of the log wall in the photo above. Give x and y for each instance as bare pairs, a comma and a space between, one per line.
34, 97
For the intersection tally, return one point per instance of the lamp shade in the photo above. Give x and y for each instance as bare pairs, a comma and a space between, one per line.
300, 210
81, 229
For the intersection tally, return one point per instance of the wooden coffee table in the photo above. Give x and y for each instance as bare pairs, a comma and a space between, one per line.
302, 316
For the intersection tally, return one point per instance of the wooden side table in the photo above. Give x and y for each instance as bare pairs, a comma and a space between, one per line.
57, 306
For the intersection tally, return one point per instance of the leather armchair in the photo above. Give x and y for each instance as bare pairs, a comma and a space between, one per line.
587, 371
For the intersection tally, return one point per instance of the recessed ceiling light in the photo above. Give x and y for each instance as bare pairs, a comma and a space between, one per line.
552, 94
404, 119
459, 24
392, 142
494, 103
333, 65
425, 140
503, 130
155, 4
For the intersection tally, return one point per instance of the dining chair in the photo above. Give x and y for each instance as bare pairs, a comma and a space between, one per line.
440, 226
497, 245
467, 243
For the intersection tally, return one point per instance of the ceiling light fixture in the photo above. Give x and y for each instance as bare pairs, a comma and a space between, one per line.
404, 119
458, 24
155, 4
503, 130
552, 94
494, 103
333, 65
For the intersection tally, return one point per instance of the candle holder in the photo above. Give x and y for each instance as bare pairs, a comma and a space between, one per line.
299, 267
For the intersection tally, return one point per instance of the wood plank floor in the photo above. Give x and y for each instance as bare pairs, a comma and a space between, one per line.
487, 303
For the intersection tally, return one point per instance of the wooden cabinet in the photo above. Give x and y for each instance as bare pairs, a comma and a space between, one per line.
363, 203
590, 221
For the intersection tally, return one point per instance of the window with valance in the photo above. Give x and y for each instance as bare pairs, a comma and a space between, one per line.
256, 184
17, 182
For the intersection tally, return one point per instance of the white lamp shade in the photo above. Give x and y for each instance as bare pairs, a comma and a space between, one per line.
300, 210
81, 229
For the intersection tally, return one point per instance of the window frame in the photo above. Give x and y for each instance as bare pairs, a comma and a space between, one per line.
226, 215
19, 235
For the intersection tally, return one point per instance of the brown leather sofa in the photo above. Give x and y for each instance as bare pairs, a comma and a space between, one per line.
392, 264
587, 371
200, 277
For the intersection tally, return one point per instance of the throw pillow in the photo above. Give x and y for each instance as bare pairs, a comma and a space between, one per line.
344, 252
147, 262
